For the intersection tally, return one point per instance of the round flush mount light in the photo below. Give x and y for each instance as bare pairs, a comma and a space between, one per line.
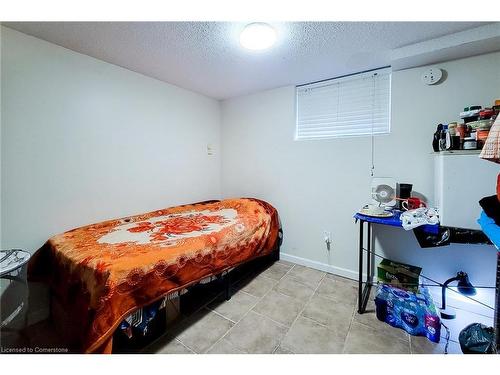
258, 36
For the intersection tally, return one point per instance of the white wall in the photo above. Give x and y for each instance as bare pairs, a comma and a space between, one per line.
84, 140
319, 185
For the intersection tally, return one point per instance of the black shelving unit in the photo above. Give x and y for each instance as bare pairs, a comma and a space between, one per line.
497, 304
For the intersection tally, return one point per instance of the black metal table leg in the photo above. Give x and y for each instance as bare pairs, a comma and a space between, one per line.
369, 254
360, 268
369, 270
497, 305
227, 286
364, 290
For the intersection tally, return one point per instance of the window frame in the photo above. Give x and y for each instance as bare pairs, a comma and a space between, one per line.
367, 73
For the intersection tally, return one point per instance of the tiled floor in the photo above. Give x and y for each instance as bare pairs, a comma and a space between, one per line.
278, 308
284, 308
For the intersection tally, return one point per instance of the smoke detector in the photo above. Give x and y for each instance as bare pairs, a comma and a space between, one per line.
432, 76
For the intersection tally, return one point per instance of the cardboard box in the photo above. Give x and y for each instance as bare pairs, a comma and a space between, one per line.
404, 276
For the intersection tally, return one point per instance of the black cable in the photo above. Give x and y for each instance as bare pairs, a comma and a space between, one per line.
438, 283
447, 337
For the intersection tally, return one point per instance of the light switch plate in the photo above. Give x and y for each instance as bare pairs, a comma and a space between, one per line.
210, 149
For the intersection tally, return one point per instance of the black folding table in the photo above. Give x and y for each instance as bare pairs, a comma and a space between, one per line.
364, 285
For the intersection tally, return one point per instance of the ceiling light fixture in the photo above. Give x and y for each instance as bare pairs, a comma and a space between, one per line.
258, 36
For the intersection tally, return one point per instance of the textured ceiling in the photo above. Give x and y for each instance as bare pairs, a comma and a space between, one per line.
206, 56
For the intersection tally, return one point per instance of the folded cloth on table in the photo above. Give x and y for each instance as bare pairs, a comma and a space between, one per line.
490, 228
491, 207
421, 216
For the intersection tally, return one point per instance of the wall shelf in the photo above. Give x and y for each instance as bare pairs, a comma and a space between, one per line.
457, 152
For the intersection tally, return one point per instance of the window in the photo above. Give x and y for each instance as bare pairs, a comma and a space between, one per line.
355, 105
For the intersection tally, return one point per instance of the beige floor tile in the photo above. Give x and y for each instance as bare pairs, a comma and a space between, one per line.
276, 271
257, 286
292, 288
336, 315
338, 290
256, 334
421, 345
369, 319
308, 337
236, 307
286, 263
279, 307
306, 276
224, 347
203, 329
167, 346
280, 350
362, 339
370, 305
342, 279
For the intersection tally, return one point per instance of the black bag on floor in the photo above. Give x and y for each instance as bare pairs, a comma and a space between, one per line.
477, 338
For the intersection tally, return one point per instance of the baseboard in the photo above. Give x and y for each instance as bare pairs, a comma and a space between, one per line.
344, 272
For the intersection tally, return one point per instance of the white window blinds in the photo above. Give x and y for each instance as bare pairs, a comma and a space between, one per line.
349, 106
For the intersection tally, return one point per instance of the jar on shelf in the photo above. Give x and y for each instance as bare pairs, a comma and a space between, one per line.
470, 143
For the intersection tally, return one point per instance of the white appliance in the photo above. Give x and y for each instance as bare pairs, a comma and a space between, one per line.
461, 180
383, 191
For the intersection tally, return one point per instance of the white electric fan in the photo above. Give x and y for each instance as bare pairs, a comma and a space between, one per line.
383, 191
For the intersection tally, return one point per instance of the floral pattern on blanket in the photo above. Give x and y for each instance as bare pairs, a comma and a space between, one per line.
168, 229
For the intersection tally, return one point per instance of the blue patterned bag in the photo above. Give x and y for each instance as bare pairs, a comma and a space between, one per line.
412, 311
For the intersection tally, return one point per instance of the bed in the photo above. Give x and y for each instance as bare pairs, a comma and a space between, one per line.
103, 272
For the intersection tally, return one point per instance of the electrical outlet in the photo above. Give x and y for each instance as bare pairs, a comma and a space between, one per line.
327, 239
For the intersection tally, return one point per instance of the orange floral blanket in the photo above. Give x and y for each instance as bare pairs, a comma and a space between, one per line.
104, 271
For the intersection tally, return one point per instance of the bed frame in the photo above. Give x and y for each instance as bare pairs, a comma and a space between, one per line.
160, 327
226, 277
274, 256
64, 328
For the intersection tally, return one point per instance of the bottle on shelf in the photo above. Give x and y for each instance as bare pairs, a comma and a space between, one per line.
437, 137
442, 138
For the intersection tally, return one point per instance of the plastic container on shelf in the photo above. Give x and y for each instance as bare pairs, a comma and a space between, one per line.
461, 130
470, 113
480, 124
470, 143
486, 113
481, 135
452, 128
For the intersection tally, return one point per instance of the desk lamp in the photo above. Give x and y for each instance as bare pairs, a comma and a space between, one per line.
464, 287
